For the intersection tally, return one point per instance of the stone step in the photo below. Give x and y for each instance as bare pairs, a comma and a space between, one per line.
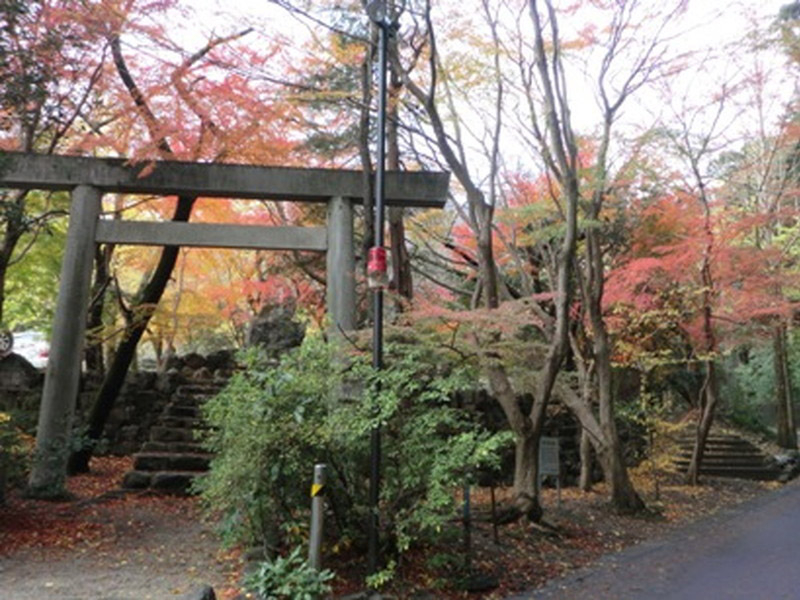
164, 461
136, 480
729, 462
195, 391
724, 454
690, 435
174, 447
722, 443
163, 482
173, 457
728, 455
756, 473
189, 411
160, 433
174, 482
724, 449
749, 460
181, 422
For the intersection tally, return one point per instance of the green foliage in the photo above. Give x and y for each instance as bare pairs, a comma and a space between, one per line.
288, 577
748, 388
32, 284
13, 453
377, 580
749, 385
650, 413
273, 422
267, 433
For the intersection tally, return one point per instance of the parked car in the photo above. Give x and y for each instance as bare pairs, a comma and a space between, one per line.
33, 347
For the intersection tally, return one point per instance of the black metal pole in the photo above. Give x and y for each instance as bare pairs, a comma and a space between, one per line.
377, 302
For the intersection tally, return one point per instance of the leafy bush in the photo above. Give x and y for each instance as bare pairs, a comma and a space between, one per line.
288, 577
13, 454
273, 422
267, 433
749, 388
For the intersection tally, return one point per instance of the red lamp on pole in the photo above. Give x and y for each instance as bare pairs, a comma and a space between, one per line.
377, 276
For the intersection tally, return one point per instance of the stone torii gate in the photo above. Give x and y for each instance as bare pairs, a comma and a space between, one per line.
88, 179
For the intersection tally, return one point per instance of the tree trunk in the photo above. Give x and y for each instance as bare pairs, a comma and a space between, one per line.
708, 406
787, 433
585, 482
94, 351
603, 437
401, 264
526, 472
486, 263
126, 351
3, 272
150, 296
710, 392
526, 444
13, 232
367, 187
624, 497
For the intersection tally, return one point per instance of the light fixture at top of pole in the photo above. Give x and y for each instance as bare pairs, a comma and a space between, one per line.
376, 10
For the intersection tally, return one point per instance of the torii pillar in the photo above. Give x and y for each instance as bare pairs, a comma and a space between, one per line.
62, 377
340, 267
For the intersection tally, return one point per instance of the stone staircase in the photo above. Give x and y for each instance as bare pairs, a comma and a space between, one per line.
728, 455
172, 458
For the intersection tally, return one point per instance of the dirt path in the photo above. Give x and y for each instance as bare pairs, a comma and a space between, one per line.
109, 547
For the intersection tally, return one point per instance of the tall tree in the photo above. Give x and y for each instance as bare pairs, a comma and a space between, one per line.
627, 62
50, 64
434, 93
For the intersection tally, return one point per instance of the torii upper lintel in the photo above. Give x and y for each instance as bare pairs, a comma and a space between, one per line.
211, 180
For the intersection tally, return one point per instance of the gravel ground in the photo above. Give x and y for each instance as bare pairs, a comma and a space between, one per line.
149, 557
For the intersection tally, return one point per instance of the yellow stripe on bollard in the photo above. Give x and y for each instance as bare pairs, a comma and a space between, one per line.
316, 489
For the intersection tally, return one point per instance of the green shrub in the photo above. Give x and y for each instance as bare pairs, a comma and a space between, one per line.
268, 430
13, 454
289, 578
749, 390
273, 422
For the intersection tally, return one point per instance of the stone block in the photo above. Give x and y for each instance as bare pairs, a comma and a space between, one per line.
136, 480
205, 592
16, 373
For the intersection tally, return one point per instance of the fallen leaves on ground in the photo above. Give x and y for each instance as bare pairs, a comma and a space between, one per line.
26, 523
100, 519
527, 557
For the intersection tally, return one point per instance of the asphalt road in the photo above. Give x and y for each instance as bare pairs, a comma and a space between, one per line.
751, 552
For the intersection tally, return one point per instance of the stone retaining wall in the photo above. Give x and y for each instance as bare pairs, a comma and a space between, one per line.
141, 400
